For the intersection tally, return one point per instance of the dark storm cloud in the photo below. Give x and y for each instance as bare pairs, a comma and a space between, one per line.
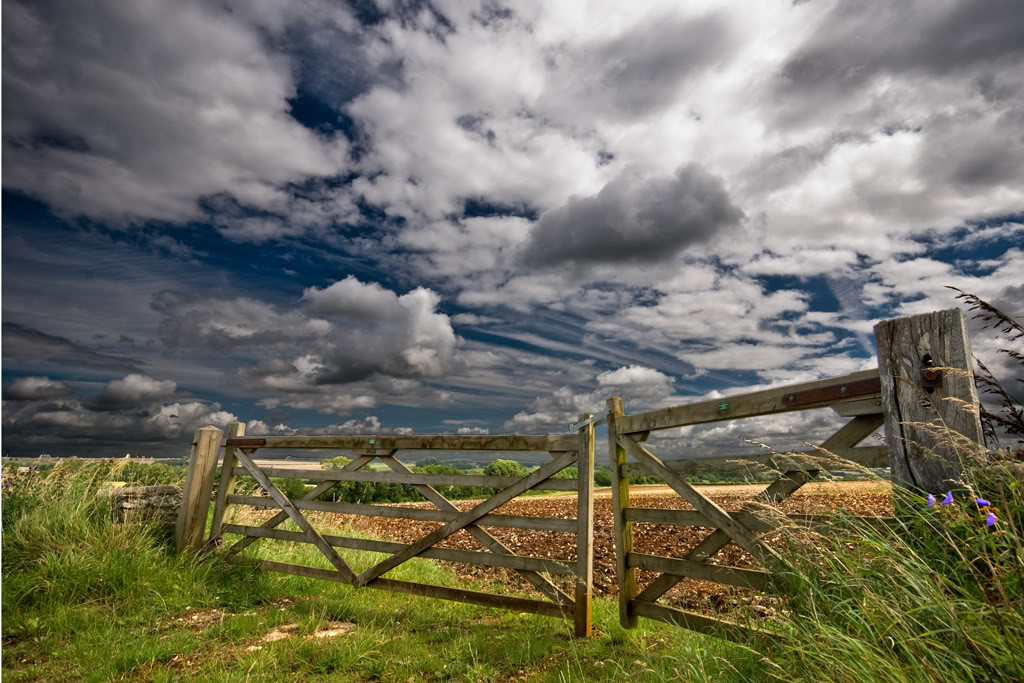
27, 346
634, 219
639, 72
35, 389
858, 41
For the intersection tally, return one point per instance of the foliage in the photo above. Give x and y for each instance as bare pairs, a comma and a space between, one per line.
505, 468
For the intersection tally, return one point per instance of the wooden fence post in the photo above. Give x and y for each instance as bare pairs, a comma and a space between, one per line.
195, 499
623, 528
227, 480
585, 529
931, 417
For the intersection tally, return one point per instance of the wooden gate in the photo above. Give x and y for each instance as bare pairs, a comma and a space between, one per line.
565, 450
857, 395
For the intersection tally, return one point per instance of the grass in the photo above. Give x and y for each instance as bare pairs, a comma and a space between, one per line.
85, 599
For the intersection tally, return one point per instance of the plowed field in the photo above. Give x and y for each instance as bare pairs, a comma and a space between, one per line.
861, 498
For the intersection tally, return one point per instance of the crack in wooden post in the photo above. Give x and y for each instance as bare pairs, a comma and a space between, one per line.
312, 534
466, 518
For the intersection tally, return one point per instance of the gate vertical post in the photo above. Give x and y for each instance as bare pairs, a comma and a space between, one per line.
195, 498
929, 456
623, 528
585, 529
227, 480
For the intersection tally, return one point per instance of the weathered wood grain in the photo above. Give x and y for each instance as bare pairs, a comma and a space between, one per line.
617, 457
698, 622
585, 531
480, 481
439, 442
227, 480
733, 576
929, 434
198, 489
744, 405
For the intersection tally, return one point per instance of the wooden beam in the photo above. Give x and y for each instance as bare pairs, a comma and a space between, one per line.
198, 489
521, 562
931, 431
312, 534
474, 480
541, 607
698, 622
865, 406
227, 480
423, 515
751, 520
441, 442
721, 519
733, 576
865, 456
749, 405
620, 502
496, 501
585, 533
542, 583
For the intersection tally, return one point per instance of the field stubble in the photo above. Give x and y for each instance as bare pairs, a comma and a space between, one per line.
859, 498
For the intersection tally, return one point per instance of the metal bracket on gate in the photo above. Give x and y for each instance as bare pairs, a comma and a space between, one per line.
595, 420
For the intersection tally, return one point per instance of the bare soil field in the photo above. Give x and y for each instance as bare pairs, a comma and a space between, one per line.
861, 498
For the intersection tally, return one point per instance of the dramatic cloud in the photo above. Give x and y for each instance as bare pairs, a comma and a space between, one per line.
35, 389
31, 347
634, 218
137, 111
134, 390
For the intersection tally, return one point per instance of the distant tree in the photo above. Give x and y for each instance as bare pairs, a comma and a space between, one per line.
335, 463
428, 461
505, 468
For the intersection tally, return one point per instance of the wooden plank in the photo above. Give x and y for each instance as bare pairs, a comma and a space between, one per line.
617, 456
542, 583
733, 576
479, 481
698, 622
440, 442
198, 489
343, 569
541, 607
465, 518
584, 607
853, 432
864, 406
311, 496
722, 519
832, 393
535, 564
227, 480
929, 433
744, 405
751, 520
865, 456
504, 521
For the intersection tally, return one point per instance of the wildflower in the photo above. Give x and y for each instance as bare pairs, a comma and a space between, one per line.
990, 519
948, 499
981, 502
931, 500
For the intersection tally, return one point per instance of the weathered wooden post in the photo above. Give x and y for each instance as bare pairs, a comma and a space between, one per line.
227, 480
585, 529
195, 499
623, 527
931, 415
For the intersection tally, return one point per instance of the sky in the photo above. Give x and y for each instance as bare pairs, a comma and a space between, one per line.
475, 217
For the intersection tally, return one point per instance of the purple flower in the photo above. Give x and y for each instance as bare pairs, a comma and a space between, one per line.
990, 519
931, 500
948, 499
981, 502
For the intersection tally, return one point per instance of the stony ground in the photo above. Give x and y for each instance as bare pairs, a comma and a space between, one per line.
862, 498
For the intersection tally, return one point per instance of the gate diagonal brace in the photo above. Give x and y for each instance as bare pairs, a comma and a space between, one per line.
542, 583
739, 534
296, 516
281, 516
466, 518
